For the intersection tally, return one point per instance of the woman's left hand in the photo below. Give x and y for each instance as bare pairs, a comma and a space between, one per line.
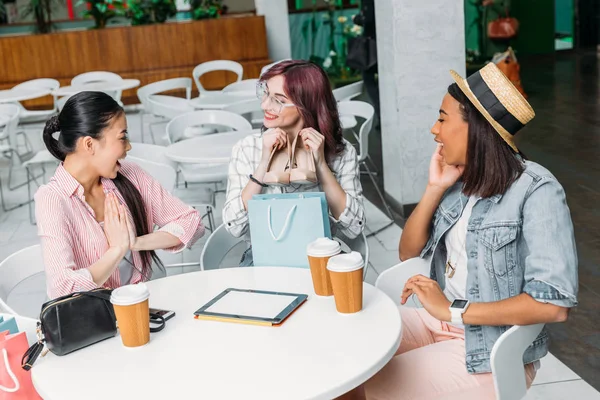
315, 142
132, 234
430, 295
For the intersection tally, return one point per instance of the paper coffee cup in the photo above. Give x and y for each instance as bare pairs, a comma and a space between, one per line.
133, 315
319, 253
346, 272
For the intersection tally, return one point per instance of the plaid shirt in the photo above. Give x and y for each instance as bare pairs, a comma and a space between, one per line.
246, 156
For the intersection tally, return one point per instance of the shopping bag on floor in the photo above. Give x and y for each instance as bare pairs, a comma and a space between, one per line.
282, 225
15, 382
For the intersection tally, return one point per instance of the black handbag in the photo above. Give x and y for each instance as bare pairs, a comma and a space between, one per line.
75, 321
362, 53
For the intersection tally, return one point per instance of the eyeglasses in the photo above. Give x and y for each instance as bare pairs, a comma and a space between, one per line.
273, 103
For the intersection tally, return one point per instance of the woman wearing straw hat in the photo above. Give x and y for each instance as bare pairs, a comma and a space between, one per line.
500, 237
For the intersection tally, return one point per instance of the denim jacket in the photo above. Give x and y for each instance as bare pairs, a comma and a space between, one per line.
519, 242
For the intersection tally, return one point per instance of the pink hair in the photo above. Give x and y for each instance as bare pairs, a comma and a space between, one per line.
307, 86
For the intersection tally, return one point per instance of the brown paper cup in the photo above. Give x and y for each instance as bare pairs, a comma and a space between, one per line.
134, 323
320, 275
347, 290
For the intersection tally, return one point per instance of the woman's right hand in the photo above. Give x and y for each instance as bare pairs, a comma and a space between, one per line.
442, 175
115, 224
273, 138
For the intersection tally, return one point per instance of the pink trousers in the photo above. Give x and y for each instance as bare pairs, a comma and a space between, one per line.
430, 364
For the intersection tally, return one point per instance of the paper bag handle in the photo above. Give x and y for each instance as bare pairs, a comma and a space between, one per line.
11, 374
285, 226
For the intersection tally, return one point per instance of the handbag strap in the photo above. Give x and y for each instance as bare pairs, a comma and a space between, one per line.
11, 374
100, 295
285, 226
31, 355
162, 321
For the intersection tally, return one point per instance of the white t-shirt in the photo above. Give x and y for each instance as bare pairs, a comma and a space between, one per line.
456, 238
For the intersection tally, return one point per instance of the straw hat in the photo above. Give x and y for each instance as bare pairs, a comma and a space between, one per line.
497, 100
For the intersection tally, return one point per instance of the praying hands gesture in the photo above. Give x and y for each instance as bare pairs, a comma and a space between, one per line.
117, 227
429, 294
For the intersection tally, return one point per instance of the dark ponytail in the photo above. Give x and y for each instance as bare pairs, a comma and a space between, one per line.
88, 114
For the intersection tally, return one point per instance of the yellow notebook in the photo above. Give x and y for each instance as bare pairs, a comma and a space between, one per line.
248, 306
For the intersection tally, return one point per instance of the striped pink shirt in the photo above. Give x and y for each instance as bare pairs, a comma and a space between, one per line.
73, 240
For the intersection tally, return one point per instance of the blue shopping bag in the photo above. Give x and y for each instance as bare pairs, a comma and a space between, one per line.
282, 225
8, 324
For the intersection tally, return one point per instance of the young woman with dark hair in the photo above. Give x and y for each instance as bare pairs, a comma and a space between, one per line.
97, 214
300, 115
502, 248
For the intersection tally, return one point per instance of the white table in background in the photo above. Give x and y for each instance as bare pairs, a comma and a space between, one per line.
12, 95
316, 354
98, 87
206, 149
218, 101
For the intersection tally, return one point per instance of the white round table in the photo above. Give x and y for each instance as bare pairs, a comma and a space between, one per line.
103, 86
315, 354
218, 101
206, 149
12, 95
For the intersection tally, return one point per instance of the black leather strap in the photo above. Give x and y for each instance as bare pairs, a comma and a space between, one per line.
31, 355
100, 295
155, 318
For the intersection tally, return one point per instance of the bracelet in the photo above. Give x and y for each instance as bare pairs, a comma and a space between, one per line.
253, 179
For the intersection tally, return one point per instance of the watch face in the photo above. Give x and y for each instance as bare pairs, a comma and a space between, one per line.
459, 303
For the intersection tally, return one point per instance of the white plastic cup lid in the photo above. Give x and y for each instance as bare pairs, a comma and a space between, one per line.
345, 262
323, 247
129, 294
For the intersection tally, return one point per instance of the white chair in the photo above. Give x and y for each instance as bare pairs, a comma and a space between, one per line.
507, 354
216, 65
99, 76
245, 86
34, 116
25, 324
166, 175
151, 91
151, 152
60, 103
366, 111
268, 66
348, 92
249, 109
219, 246
40, 159
23, 282
179, 127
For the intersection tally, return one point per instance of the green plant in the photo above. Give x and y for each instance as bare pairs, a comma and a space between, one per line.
103, 10
205, 9
143, 12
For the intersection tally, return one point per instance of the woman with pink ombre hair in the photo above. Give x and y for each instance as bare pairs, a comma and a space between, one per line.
300, 113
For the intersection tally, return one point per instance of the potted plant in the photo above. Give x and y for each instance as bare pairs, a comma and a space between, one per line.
205, 9
42, 12
143, 12
102, 10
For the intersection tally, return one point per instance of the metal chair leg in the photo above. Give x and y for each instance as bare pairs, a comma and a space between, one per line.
385, 203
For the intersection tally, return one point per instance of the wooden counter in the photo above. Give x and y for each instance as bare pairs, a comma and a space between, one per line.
149, 53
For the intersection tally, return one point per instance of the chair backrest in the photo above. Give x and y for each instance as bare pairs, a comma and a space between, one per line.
9, 121
365, 111
247, 85
216, 65
25, 324
358, 244
178, 125
162, 86
99, 76
217, 247
164, 109
506, 360
163, 173
151, 152
43, 83
60, 103
268, 66
392, 280
247, 109
17, 267
348, 92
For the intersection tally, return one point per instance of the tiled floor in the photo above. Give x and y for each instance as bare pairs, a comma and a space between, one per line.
554, 380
